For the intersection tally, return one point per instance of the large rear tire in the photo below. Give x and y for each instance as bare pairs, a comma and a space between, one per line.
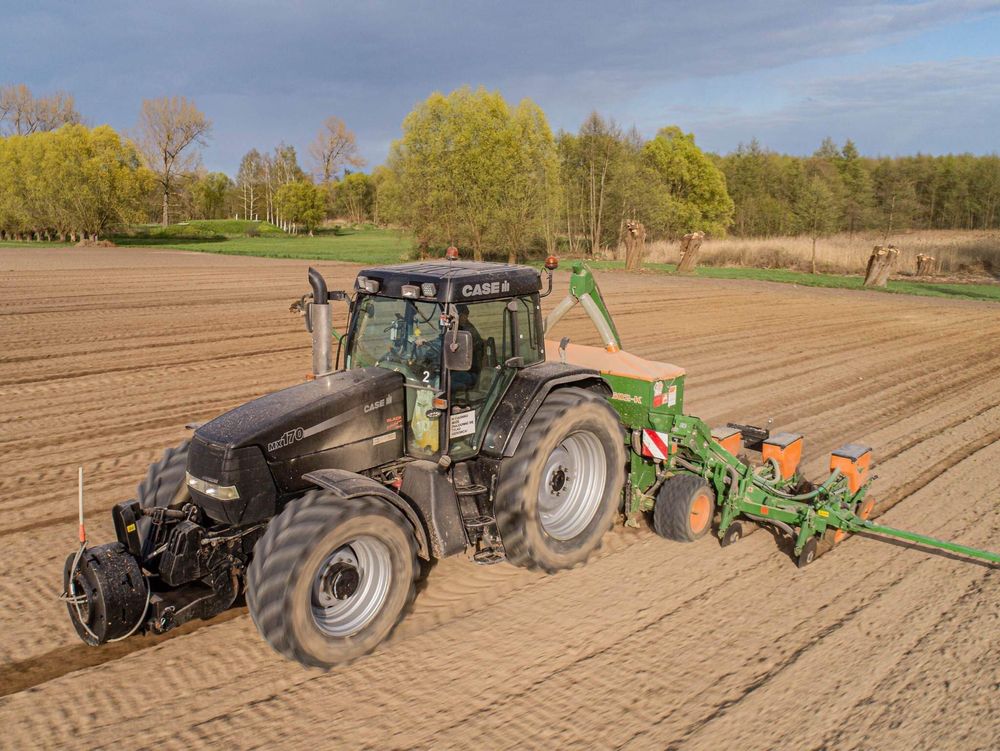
559, 493
164, 485
331, 577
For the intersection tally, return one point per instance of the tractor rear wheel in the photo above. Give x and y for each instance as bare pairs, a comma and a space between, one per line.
163, 486
331, 577
684, 508
559, 493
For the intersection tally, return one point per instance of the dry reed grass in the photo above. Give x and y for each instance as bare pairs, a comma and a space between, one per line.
956, 252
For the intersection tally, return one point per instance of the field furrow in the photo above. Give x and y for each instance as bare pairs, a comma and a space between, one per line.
651, 645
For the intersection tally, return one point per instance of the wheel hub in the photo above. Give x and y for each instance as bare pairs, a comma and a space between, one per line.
572, 487
558, 480
350, 586
342, 580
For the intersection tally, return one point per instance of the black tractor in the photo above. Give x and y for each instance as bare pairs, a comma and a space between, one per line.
446, 430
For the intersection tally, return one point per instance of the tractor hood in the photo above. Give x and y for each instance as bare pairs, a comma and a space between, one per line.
350, 419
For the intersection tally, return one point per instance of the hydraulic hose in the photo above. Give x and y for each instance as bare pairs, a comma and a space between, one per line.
779, 524
761, 483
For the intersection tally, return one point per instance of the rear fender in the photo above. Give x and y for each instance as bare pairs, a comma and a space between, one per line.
352, 485
525, 395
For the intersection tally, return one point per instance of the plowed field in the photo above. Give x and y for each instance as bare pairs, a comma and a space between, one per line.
106, 354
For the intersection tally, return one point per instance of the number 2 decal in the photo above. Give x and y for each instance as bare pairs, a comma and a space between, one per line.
427, 377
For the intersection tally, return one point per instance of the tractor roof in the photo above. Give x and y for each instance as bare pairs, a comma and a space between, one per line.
456, 281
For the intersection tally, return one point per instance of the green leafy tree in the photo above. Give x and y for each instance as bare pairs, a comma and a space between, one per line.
529, 207
816, 210
74, 180
858, 193
302, 203
210, 193
467, 168
353, 196
690, 191
384, 193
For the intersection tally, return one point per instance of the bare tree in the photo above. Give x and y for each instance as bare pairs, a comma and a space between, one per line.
167, 128
254, 170
22, 113
333, 149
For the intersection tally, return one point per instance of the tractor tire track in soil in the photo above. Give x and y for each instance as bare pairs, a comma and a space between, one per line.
651, 645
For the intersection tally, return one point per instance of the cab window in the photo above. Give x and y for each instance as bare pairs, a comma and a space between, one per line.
405, 336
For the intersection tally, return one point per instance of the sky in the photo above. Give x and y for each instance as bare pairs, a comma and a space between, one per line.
896, 77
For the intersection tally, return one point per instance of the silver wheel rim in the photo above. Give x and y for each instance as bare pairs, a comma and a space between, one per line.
350, 586
572, 486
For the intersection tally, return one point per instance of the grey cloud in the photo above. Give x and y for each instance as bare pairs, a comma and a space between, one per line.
274, 70
928, 106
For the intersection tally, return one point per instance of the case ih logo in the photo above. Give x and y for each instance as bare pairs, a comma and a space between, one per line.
379, 404
487, 288
287, 439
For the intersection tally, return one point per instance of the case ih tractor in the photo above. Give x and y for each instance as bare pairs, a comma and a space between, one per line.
453, 427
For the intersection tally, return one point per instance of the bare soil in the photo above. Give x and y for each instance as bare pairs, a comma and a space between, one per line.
105, 354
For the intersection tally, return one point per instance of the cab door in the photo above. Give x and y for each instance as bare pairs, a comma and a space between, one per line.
501, 334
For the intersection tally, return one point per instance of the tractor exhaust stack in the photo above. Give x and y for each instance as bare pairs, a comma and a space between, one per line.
320, 320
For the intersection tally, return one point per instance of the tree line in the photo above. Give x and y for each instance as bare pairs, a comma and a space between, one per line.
838, 190
472, 170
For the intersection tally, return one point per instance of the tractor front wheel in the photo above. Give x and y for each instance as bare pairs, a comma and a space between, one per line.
163, 486
684, 508
331, 577
560, 491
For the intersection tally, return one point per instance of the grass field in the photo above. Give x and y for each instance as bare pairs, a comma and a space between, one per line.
381, 246
246, 238
375, 246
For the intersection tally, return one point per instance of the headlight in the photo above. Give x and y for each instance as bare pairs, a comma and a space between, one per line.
222, 492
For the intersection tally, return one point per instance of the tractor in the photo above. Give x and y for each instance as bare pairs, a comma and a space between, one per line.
453, 427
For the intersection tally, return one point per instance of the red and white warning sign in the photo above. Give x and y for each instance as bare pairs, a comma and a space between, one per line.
660, 397
655, 444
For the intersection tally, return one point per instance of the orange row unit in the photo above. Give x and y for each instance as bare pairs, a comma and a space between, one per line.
731, 439
854, 462
786, 450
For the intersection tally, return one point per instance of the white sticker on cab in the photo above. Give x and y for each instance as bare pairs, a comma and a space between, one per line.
462, 423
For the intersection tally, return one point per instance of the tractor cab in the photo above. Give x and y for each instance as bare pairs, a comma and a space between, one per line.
457, 332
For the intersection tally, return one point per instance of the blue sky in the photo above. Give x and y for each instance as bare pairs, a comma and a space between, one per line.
897, 77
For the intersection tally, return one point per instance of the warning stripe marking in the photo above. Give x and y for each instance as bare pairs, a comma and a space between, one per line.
655, 444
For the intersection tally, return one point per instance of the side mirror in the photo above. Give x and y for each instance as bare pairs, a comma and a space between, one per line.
458, 350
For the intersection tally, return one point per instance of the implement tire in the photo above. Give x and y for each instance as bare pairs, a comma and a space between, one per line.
331, 577
164, 485
560, 492
684, 508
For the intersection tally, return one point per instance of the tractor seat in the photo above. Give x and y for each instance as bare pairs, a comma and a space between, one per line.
619, 363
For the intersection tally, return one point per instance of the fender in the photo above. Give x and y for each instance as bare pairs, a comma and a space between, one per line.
351, 485
525, 395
